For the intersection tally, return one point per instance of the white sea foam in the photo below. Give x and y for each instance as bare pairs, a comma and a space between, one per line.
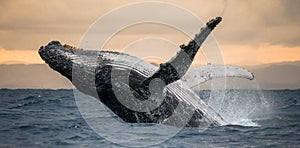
245, 122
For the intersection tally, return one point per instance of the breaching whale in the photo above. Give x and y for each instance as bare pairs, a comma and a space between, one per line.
139, 92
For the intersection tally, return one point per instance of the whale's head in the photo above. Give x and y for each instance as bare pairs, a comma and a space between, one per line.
65, 58
84, 68
58, 57
75, 64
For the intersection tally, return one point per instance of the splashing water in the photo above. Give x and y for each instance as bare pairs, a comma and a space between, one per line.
242, 104
246, 122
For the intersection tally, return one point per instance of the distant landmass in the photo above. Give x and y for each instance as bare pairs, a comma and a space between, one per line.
285, 75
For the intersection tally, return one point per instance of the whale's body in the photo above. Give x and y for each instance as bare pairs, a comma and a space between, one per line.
123, 83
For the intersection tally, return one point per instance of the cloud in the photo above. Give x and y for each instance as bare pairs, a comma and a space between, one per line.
30, 24
262, 54
256, 22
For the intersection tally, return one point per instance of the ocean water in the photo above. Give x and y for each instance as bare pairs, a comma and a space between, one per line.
51, 118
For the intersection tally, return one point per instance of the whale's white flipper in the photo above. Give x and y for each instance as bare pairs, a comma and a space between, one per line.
196, 76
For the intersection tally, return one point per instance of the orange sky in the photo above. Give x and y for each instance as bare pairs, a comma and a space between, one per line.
251, 32
235, 54
19, 57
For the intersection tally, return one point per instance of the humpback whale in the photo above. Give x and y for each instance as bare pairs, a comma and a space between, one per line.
139, 92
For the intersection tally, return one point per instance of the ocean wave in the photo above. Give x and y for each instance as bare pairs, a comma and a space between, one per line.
26, 103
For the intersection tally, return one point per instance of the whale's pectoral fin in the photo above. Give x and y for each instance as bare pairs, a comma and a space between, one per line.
176, 68
196, 76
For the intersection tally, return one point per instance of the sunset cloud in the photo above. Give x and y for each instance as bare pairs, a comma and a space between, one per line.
262, 54
266, 31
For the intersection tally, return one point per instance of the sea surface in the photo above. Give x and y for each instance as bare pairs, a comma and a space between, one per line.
51, 118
